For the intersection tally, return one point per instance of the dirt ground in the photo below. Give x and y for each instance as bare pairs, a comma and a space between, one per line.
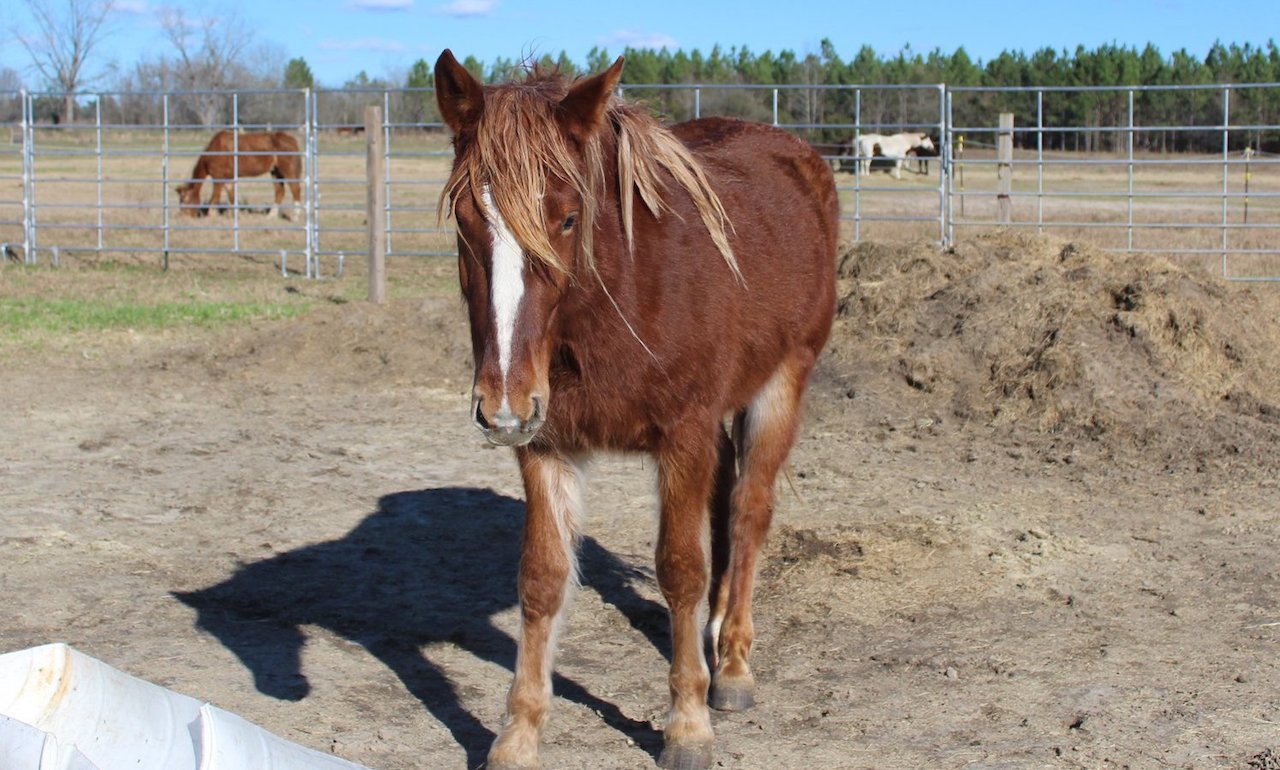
1032, 523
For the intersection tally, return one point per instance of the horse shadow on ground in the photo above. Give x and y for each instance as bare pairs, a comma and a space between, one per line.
429, 566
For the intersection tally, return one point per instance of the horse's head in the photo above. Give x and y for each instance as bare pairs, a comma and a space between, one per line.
521, 195
926, 144
189, 199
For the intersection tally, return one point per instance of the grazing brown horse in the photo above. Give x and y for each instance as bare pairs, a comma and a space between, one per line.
229, 157
629, 287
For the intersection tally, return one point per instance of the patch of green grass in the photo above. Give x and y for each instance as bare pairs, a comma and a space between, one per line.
37, 315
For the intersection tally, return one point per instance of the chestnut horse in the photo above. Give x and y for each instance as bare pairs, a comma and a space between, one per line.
229, 156
630, 286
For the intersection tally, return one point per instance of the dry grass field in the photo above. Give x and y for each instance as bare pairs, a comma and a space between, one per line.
135, 183
1162, 204
1176, 207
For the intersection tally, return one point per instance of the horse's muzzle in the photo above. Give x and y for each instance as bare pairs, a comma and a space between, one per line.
506, 428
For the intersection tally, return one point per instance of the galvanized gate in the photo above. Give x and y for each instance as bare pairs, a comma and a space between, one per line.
103, 186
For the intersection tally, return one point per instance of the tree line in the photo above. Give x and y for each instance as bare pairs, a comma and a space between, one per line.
1166, 111
820, 96
1176, 119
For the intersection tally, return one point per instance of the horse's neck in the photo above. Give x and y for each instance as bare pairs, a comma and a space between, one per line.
200, 171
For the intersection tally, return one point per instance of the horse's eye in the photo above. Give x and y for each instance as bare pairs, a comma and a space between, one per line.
569, 223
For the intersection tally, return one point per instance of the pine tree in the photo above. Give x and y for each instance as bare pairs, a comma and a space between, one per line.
298, 75
421, 101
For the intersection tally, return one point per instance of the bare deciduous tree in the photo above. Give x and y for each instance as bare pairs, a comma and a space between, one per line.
208, 54
67, 32
10, 101
10, 80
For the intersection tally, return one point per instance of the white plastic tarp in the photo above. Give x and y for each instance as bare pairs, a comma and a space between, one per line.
63, 710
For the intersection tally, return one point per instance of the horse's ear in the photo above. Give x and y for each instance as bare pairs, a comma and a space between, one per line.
584, 106
459, 95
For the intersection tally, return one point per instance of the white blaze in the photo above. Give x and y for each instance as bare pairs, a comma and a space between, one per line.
506, 284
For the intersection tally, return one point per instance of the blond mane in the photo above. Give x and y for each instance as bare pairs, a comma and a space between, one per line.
517, 144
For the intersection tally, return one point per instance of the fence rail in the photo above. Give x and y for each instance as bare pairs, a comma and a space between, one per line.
1116, 166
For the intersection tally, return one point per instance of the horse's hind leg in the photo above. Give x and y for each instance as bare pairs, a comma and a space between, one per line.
295, 184
279, 185
548, 566
721, 536
768, 431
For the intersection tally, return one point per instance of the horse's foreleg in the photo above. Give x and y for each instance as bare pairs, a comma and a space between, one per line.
275, 207
768, 431
215, 198
548, 566
686, 479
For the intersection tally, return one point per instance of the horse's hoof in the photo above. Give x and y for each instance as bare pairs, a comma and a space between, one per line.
685, 756
508, 762
731, 696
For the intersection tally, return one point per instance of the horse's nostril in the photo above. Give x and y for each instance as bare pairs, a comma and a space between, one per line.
479, 417
539, 416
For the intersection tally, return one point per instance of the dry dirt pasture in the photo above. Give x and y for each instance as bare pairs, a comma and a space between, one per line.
1031, 524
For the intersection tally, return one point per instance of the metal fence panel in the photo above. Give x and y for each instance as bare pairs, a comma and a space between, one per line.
417, 155
1177, 170
13, 176
832, 118
104, 184
1181, 170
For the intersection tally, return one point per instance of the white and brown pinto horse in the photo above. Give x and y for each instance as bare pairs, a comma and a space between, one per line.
891, 150
630, 286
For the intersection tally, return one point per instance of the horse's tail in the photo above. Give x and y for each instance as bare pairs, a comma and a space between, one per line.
288, 160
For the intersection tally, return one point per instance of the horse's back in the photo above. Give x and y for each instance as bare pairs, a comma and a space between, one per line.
742, 144
784, 210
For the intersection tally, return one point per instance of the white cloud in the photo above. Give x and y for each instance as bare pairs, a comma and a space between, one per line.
380, 5
468, 8
135, 7
364, 44
625, 38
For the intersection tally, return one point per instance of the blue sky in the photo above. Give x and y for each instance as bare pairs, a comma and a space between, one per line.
384, 37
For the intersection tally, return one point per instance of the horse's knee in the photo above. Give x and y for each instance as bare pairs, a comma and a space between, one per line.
682, 578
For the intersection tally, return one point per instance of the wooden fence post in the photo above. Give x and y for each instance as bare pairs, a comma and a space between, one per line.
375, 204
1004, 168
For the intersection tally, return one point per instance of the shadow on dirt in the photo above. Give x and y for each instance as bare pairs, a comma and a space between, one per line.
428, 567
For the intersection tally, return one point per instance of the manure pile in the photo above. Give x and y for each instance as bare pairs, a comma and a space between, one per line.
1050, 341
